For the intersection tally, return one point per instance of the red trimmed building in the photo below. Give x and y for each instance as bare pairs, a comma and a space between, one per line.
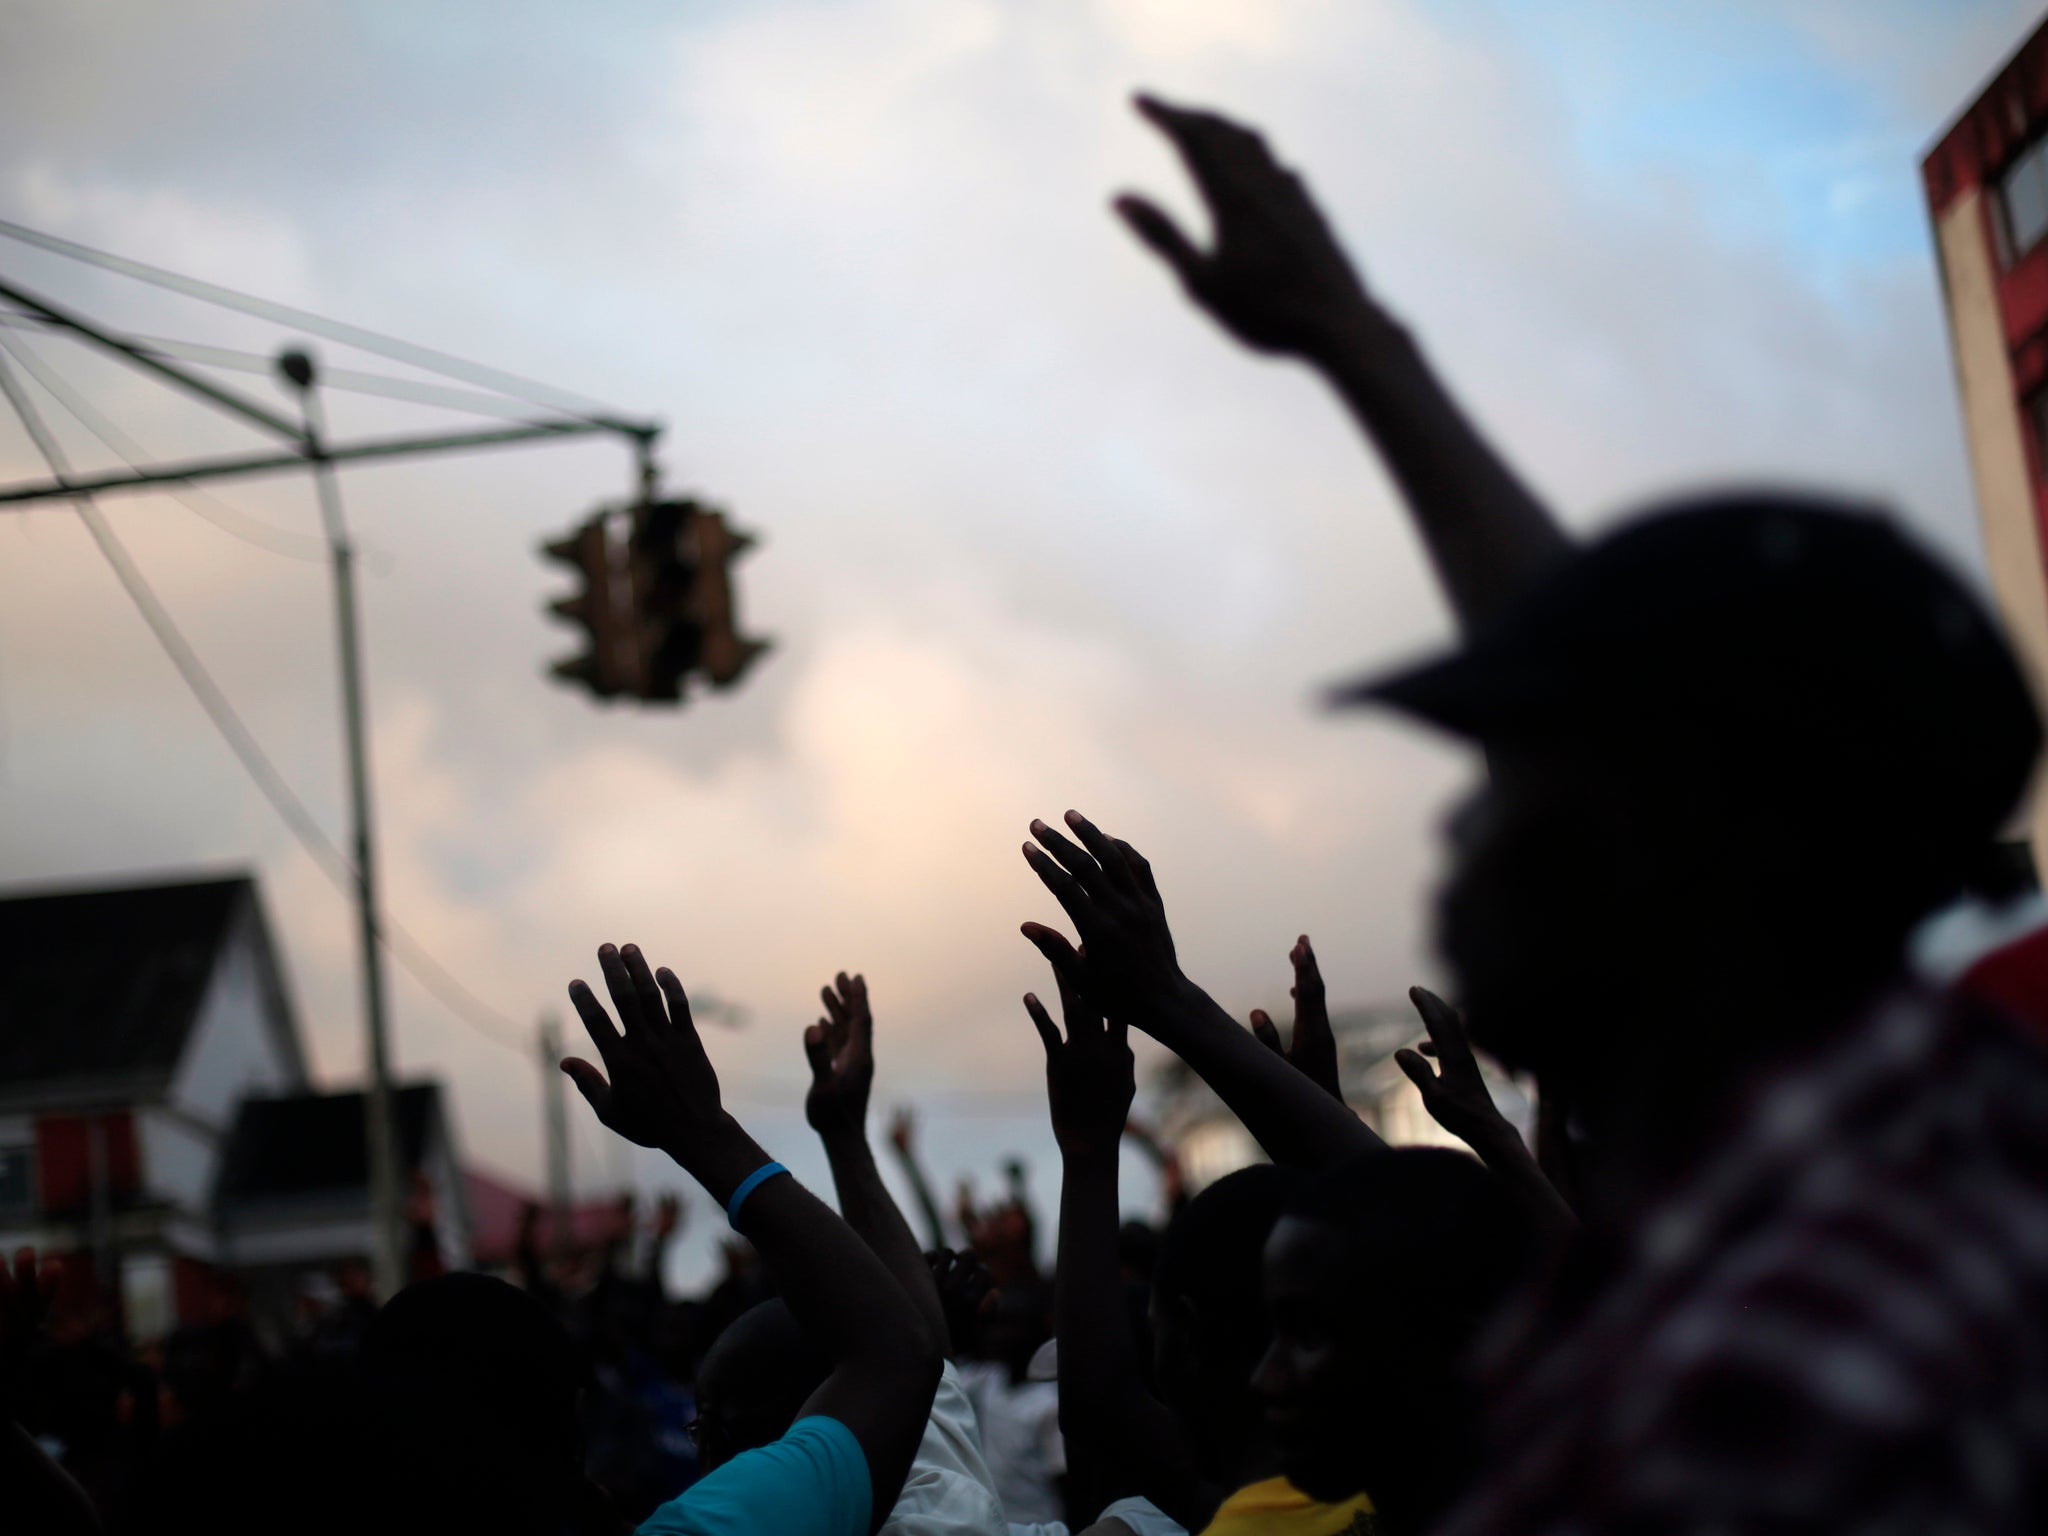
1986, 180
157, 1129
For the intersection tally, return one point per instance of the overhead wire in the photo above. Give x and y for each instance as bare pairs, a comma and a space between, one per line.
201, 503
353, 381
449, 366
297, 816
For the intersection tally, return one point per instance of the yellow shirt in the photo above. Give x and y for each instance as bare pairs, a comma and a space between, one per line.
1277, 1508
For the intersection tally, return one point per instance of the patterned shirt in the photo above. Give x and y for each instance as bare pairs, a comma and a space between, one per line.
1841, 1325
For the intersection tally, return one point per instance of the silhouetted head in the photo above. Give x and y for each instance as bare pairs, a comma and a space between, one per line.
303, 1437
1741, 745
1378, 1277
1208, 1314
754, 1381
479, 1385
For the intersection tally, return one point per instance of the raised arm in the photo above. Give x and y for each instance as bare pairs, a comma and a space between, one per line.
903, 1142
1276, 279
1126, 968
841, 1050
1457, 1098
1312, 1049
662, 1092
1120, 1439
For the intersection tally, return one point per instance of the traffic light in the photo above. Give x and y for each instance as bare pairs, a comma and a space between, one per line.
657, 607
726, 652
662, 569
605, 668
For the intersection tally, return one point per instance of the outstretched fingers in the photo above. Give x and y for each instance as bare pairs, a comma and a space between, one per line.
1446, 1033
1106, 851
1419, 1072
818, 1052
596, 1022
1082, 1016
1048, 1032
1065, 888
1087, 873
1059, 953
1308, 974
1268, 1033
591, 1084
1158, 233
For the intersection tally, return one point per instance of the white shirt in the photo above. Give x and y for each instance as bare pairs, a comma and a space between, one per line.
949, 1491
1020, 1439
1140, 1517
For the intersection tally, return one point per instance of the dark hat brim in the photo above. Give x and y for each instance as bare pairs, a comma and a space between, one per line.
1479, 691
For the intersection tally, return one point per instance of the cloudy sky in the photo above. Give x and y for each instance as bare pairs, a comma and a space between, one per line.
1033, 534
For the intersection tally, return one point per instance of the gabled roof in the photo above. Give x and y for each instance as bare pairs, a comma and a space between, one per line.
309, 1145
105, 984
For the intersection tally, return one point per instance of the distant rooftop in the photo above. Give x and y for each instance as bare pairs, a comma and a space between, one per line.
106, 983
313, 1144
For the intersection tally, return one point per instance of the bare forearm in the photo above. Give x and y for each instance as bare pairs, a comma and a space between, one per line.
1488, 535
1118, 1436
839, 1290
1509, 1159
885, 1365
1094, 1358
1298, 1124
865, 1202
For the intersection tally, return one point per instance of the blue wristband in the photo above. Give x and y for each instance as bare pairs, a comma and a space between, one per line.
748, 1185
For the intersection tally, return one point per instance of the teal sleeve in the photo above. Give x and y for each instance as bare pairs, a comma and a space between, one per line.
812, 1482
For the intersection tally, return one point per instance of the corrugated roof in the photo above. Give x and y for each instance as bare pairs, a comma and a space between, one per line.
107, 983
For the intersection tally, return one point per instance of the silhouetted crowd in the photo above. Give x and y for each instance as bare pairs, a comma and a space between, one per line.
1776, 1262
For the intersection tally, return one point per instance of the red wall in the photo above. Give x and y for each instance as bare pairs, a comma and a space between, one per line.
64, 1160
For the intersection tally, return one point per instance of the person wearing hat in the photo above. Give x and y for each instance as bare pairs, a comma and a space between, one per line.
1738, 749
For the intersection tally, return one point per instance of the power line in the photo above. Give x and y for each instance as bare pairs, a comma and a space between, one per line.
330, 859
529, 390
230, 520
349, 380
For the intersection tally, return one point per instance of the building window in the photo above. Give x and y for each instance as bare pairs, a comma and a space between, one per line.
17, 1179
2023, 193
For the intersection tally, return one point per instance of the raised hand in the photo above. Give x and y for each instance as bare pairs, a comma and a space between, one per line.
966, 1291
903, 1131
1125, 965
1455, 1094
1090, 1076
1313, 1047
841, 1050
1275, 278
662, 1091
669, 1213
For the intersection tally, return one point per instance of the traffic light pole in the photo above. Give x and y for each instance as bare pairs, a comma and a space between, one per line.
555, 1136
387, 1235
305, 446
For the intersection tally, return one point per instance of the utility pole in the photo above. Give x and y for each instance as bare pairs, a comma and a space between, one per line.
387, 1239
555, 1131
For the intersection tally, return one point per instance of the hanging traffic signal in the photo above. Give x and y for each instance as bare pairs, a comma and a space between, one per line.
662, 567
606, 667
726, 652
658, 606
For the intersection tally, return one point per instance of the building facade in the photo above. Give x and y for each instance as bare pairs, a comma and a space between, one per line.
1986, 181
133, 1022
